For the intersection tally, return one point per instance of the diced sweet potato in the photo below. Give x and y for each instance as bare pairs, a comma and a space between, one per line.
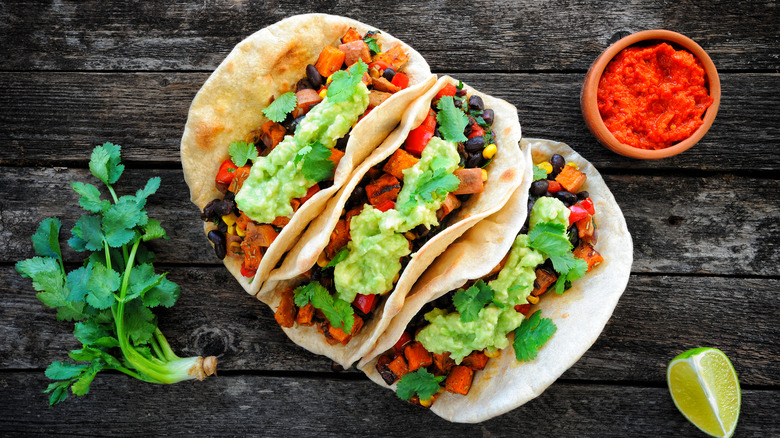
544, 279
443, 362
398, 162
351, 35
352, 213
382, 367
585, 228
252, 255
338, 238
242, 173
499, 266
586, 252
324, 328
273, 133
476, 360
355, 51
262, 235
451, 202
398, 366
459, 380
375, 98
335, 156
384, 189
306, 98
285, 313
305, 315
233, 245
470, 181
394, 56
382, 84
280, 221
329, 61
571, 179
339, 335
417, 356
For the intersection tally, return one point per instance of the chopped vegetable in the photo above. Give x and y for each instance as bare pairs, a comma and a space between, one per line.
306, 99
398, 162
586, 252
400, 80
329, 61
273, 134
477, 360
351, 35
402, 341
470, 181
459, 380
398, 366
451, 202
394, 57
355, 51
571, 179
447, 90
305, 315
554, 186
339, 237
443, 362
417, 356
544, 279
285, 313
111, 296
365, 303
386, 188
226, 172
241, 174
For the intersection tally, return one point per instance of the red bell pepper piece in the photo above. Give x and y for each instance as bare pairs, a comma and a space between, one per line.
385, 205
365, 303
417, 139
227, 170
587, 204
430, 120
476, 131
553, 186
400, 80
403, 340
379, 65
365, 114
248, 272
577, 213
523, 308
311, 192
448, 90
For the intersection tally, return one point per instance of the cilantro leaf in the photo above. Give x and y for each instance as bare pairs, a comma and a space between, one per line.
142, 279
346, 82
140, 322
338, 258
338, 312
452, 121
104, 163
317, 165
89, 233
539, 173
90, 197
77, 281
63, 370
551, 239
89, 332
470, 301
153, 230
551, 244
303, 294
421, 382
59, 391
241, 152
532, 334
278, 109
438, 181
81, 386
101, 286
371, 41
151, 188
163, 294
120, 220
570, 267
46, 240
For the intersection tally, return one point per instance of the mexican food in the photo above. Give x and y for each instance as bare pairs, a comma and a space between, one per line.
479, 336
280, 125
453, 161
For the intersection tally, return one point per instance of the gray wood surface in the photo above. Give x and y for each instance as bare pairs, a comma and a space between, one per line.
74, 74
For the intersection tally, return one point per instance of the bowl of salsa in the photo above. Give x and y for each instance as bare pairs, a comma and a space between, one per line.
650, 95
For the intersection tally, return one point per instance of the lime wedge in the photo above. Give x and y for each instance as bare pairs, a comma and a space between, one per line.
705, 389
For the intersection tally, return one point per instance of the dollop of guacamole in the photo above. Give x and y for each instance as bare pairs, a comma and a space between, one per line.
550, 210
276, 179
378, 243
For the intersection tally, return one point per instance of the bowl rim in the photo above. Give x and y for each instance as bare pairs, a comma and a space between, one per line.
589, 101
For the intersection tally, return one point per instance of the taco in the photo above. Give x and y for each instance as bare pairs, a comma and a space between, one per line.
491, 324
280, 125
453, 161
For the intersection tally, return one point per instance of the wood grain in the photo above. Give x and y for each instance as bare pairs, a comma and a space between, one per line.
57, 118
465, 36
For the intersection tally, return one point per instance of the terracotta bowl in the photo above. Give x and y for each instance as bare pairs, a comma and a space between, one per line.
588, 99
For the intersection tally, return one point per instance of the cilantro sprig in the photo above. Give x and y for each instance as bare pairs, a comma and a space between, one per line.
338, 312
420, 382
470, 301
452, 121
551, 239
539, 173
317, 165
241, 152
346, 82
371, 41
437, 181
278, 109
532, 334
111, 296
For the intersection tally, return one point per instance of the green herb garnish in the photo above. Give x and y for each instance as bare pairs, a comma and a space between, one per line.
317, 165
278, 109
551, 240
470, 301
539, 173
452, 121
421, 382
338, 312
346, 82
371, 41
241, 152
532, 334
338, 258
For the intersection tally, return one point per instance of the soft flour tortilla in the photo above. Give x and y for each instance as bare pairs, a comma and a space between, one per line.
580, 313
265, 65
505, 174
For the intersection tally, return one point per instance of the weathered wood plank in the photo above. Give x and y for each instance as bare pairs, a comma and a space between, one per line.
59, 117
675, 230
481, 35
282, 407
657, 318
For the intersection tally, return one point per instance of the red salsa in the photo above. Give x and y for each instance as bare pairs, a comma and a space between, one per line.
653, 97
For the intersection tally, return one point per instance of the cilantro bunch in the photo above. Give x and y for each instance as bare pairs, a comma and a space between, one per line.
111, 295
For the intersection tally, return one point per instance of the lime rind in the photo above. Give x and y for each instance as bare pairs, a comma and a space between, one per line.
707, 376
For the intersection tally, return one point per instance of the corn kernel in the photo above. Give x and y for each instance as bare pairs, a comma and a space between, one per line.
532, 299
489, 151
492, 354
573, 164
322, 260
231, 229
323, 93
241, 232
229, 219
484, 175
330, 79
426, 403
546, 166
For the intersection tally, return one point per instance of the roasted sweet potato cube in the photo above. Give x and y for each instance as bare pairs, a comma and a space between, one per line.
285, 313
306, 98
382, 84
339, 335
459, 380
329, 61
305, 315
351, 35
398, 162
451, 202
252, 255
375, 98
443, 362
571, 179
338, 238
242, 173
544, 279
335, 156
398, 366
262, 235
273, 133
476, 360
417, 356
394, 56
586, 252
355, 51
280, 221
382, 367
386, 188
470, 181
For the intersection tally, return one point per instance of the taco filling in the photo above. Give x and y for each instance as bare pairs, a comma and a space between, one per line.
287, 160
399, 205
455, 335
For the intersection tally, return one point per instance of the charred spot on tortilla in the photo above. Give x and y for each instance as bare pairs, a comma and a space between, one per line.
508, 175
291, 58
206, 131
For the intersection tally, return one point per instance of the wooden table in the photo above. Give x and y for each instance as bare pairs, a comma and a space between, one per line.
705, 224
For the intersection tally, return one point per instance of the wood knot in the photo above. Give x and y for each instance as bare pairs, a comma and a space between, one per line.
675, 220
209, 341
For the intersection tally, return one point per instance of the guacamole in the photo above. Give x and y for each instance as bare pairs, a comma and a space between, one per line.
550, 210
275, 180
378, 242
446, 331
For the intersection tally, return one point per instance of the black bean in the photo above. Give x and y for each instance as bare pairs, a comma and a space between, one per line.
567, 198
460, 93
224, 207
314, 76
475, 144
304, 84
530, 206
222, 226
341, 144
475, 102
386, 374
421, 231
538, 188
583, 195
524, 229
208, 211
458, 103
294, 125
357, 198
574, 235
436, 132
474, 160
557, 163
287, 122
316, 273
389, 74
220, 244
488, 116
